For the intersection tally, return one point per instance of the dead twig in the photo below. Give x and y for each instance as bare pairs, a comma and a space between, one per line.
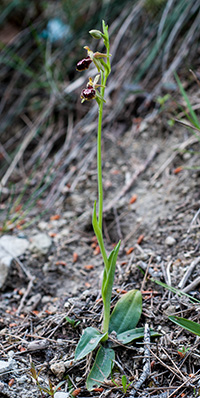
175, 366
25, 295
145, 275
187, 274
162, 395
190, 126
147, 368
165, 365
185, 382
192, 285
193, 220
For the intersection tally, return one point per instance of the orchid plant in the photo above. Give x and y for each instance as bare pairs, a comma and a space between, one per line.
120, 325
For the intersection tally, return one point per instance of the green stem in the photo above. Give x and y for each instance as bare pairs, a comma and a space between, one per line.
106, 312
106, 321
99, 165
104, 76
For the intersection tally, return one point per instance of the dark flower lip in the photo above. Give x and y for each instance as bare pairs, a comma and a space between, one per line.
88, 93
83, 64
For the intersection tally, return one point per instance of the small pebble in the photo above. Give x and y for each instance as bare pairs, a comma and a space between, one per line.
69, 363
170, 241
5, 366
40, 243
61, 395
58, 368
69, 214
23, 379
170, 310
52, 309
46, 299
64, 232
187, 156
1, 386
43, 226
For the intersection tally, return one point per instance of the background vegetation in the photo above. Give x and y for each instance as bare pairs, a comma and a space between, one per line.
43, 126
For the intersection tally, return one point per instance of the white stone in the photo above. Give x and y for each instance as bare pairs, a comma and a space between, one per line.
43, 225
13, 246
40, 243
170, 241
64, 232
5, 366
61, 395
10, 248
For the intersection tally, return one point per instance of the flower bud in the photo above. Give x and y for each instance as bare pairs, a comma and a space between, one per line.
96, 34
83, 64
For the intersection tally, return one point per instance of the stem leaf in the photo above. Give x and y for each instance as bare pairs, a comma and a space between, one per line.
127, 312
191, 326
102, 367
105, 65
95, 224
88, 342
108, 279
98, 233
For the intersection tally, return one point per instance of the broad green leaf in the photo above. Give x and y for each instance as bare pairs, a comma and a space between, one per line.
88, 342
108, 277
133, 334
102, 367
127, 312
191, 326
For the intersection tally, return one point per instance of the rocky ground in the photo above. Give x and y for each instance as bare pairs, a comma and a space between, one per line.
53, 269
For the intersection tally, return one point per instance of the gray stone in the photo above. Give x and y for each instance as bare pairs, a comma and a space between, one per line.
43, 225
1, 386
170, 241
40, 244
10, 248
170, 310
64, 232
22, 380
5, 366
